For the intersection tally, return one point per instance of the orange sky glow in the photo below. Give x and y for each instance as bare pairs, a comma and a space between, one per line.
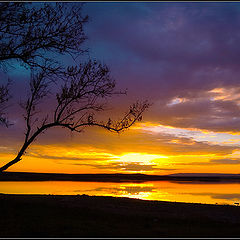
145, 148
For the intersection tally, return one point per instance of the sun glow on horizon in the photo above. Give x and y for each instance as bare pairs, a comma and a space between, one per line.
140, 157
165, 150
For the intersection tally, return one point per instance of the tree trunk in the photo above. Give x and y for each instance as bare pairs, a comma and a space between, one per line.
9, 164
18, 157
25, 146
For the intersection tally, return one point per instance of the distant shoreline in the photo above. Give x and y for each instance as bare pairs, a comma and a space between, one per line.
118, 177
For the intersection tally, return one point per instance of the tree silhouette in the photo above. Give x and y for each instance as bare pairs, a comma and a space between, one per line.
79, 91
28, 33
4, 96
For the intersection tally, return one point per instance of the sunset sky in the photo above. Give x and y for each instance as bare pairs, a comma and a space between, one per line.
184, 58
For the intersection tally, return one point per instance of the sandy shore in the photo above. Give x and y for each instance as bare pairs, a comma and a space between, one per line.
85, 216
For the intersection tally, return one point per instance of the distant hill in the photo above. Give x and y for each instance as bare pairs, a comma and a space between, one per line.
118, 177
205, 175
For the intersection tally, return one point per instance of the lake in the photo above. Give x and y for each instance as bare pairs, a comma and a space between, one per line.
192, 192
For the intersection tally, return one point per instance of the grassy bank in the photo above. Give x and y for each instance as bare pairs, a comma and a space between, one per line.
85, 216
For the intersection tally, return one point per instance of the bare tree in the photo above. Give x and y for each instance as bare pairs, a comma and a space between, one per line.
77, 100
28, 33
79, 92
4, 96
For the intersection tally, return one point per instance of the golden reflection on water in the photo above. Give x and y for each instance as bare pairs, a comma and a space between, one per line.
220, 193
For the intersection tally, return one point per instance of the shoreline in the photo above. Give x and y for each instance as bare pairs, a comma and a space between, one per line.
45, 195
99, 216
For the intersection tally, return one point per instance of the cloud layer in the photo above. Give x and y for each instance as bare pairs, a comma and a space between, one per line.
165, 51
183, 57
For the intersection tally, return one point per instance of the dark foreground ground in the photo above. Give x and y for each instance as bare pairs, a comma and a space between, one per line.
85, 216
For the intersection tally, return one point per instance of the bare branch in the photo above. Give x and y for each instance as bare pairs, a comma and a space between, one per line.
78, 98
4, 97
83, 87
39, 88
29, 33
133, 115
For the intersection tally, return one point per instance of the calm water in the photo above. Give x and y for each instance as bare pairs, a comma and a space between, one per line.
220, 193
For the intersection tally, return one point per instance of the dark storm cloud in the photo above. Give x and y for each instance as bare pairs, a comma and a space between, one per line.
166, 50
